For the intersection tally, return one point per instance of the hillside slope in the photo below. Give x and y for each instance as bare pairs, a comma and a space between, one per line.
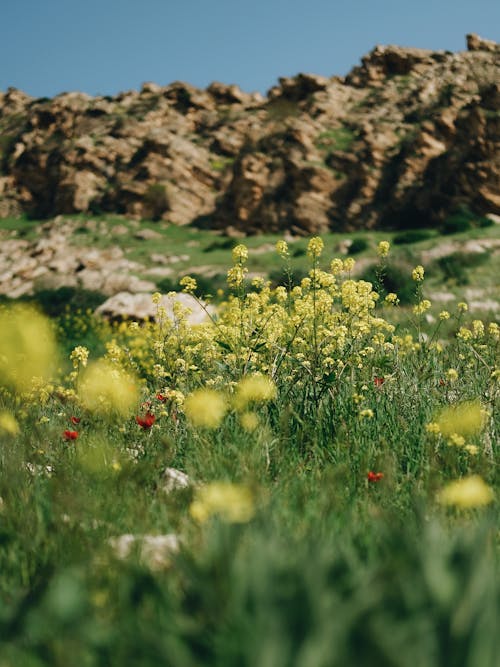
407, 138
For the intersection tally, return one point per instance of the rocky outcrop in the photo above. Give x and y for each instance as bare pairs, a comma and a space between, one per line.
406, 138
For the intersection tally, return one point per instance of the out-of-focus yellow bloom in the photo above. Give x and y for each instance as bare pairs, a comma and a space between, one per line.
27, 347
8, 423
254, 388
467, 493
104, 388
205, 408
456, 440
366, 413
452, 375
463, 419
233, 503
249, 421
433, 427
383, 248
472, 449
418, 273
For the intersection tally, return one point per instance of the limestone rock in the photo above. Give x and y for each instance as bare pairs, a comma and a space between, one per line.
140, 306
407, 137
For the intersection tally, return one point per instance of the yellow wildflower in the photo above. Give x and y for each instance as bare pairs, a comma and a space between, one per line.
467, 493
8, 423
418, 273
188, 284
282, 249
249, 421
462, 306
205, 408
254, 388
233, 503
27, 346
349, 264
452, 375
383, 248
105, 388
421, 307
456, 440
315, 247
240, 254
444, 315
465, 419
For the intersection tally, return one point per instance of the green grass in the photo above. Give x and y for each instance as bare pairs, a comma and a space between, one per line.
330, 569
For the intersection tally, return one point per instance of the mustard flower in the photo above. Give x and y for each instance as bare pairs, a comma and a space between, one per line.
315, 247
205, 408
349, 264
282, 249
188, 284
444, 315
233, 503
240, 254
383, 248
392, 299
421, 307
418, 273
467, 493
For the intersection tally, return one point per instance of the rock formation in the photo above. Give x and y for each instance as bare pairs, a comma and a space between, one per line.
406, 138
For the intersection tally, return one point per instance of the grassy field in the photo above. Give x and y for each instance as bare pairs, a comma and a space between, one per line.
341, 453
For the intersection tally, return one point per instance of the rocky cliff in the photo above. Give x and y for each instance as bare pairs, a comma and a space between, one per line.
405, 139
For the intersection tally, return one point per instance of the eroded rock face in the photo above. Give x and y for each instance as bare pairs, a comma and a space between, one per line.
408, 136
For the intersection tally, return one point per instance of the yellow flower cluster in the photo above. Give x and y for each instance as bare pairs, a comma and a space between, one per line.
383, 248
418, 273
467, 493
205, 408
232, 503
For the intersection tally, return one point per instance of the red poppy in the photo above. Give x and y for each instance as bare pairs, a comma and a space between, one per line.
70, 435
75, 420
375, 476
147, 421
161, 397
378, 381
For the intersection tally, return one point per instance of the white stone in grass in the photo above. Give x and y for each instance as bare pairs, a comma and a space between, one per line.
174, 479
155, 551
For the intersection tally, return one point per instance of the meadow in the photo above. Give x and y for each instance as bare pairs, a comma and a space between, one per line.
308, 479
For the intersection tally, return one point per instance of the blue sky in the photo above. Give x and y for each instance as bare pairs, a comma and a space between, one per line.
106, 46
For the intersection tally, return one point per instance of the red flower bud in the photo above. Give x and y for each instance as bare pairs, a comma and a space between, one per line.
70, 435
375, 476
